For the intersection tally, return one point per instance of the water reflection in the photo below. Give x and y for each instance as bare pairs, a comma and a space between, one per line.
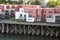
22, 37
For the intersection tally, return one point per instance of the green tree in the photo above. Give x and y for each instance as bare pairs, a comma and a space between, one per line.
13, 2
51, 4
20, 2
58, 3
2, 1
36, 2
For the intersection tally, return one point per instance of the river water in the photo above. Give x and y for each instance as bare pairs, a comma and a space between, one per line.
24, 37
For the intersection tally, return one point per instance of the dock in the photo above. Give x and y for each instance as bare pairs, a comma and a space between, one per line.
28, 28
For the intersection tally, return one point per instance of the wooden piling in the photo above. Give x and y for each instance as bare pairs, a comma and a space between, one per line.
2, 28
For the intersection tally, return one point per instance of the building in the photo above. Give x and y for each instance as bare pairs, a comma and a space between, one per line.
35, 11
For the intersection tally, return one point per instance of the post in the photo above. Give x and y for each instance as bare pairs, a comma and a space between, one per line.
42, 31
24, 29
7, 30
57, 32
20, 29
2, 28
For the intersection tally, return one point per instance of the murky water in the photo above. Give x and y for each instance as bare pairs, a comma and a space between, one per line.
24, 37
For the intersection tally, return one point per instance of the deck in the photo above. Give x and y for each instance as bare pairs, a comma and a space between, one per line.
27, 28
28, 23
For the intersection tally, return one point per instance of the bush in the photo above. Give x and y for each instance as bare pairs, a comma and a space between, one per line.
18, 20
36, 2
51, 4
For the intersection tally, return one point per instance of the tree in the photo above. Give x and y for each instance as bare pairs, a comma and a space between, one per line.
20, 2
9, 1
2, 1
51, 4
36, 2
58, 3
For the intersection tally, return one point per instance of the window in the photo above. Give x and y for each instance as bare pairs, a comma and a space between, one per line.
49, 16
30, 15
17, 9
57, 17
13, 7
12, 13
56, 11
22, 10
7, 7
44, 11
20, 15
24, 15
30, 11
6, 12
50, 12
38, 16
44, 16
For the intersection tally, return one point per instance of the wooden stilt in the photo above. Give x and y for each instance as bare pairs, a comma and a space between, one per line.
2, 28
7, 29
20, 30
24, 28
57, 33
29, 31
42, 31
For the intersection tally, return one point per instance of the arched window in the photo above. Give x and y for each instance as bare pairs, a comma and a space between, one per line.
12, 11
13, 6
7, 7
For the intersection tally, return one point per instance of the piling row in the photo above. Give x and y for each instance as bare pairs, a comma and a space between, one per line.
30, 29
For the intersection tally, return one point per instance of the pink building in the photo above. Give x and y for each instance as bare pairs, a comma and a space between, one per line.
49, 13
42, 14
2, 8
57, 14
39, 14
31, 11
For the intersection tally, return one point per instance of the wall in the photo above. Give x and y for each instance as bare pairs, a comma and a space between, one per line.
31, 12
49, 12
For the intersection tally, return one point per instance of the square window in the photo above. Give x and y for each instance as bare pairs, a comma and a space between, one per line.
38, 16
49, 16
56, 11
20, 15
44, 11
24, 15
50, 12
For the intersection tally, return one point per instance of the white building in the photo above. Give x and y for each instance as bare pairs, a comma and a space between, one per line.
23, 16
